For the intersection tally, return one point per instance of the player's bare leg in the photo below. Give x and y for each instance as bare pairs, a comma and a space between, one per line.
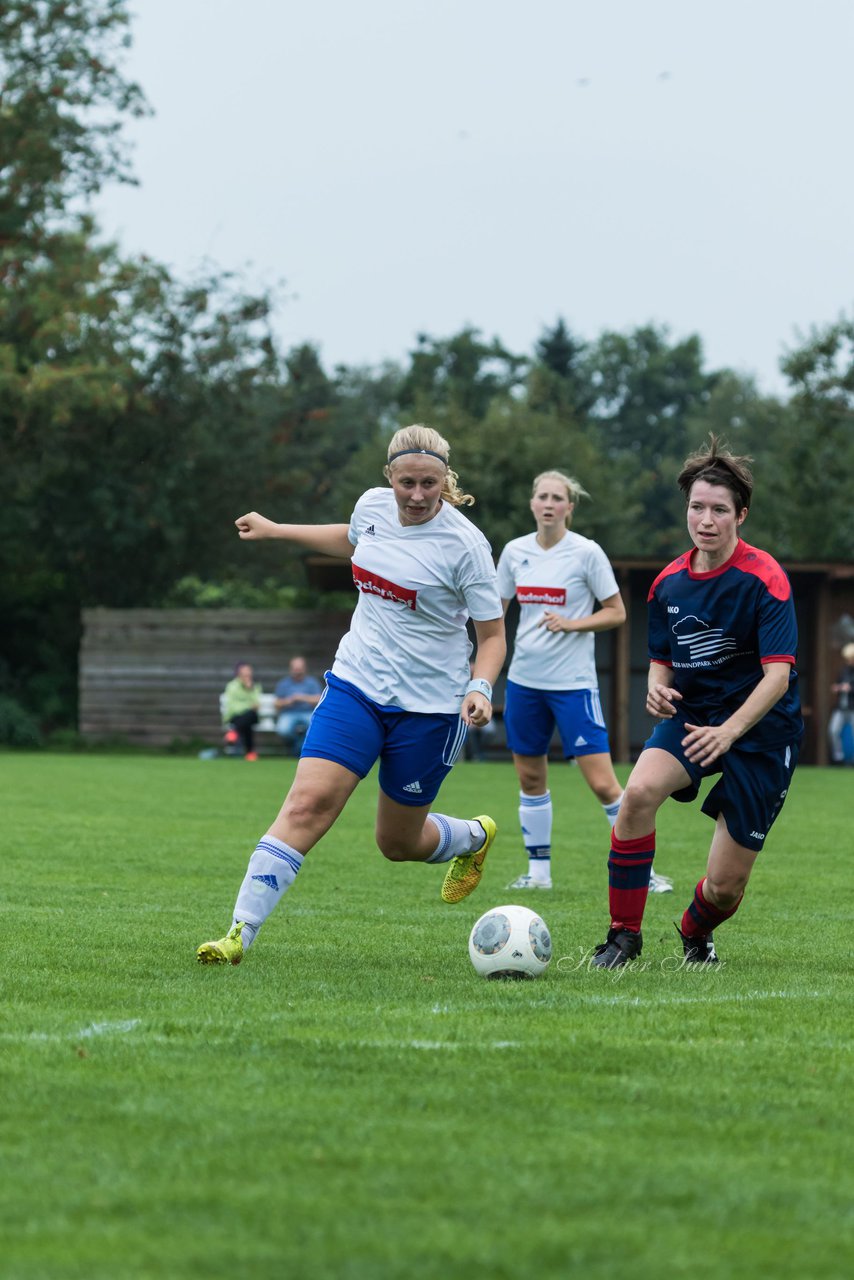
598, 772
319, 792
412, 833
535, 821
718, 895
656, 775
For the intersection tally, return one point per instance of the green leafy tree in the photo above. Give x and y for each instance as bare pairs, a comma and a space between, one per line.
754, 425
457, 376
60, 91
63, 98
817, 452
559, 377
131, 407
647, 389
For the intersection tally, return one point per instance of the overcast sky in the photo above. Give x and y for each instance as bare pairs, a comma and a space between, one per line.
420, 165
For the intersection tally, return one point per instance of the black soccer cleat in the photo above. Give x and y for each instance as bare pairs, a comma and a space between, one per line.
699, 950
620, 946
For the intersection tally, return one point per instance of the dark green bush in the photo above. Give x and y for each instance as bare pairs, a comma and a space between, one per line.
18, 728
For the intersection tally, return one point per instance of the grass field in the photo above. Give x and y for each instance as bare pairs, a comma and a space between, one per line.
353, 1101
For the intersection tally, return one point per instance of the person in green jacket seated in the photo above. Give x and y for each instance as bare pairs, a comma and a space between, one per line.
242, 700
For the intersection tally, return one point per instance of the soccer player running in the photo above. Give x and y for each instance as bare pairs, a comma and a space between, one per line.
722, 681
399, 690
557, 576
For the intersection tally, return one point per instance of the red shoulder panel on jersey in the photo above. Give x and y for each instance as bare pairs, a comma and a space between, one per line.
766, 568
374, 585
675, 566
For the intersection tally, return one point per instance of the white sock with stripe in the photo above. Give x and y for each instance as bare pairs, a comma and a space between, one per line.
456, 836
272, 870
535, 819
611, 810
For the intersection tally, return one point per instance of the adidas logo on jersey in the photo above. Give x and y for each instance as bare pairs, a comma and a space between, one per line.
370, 529
414, 788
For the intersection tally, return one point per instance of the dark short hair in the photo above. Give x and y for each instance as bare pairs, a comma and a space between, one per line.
717, 465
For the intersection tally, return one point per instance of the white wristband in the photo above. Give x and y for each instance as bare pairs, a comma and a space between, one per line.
480, 686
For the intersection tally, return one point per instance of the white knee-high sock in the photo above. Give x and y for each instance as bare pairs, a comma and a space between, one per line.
456, 836
611, 810
535, 819
272, 870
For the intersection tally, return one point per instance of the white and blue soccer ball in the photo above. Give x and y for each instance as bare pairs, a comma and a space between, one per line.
510, 942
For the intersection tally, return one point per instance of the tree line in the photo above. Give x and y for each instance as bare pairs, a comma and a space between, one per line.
141, 413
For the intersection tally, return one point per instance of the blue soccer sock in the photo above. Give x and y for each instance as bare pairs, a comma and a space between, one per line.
272, 870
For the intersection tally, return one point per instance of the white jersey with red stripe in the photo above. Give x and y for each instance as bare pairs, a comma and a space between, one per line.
568, 578
418, 585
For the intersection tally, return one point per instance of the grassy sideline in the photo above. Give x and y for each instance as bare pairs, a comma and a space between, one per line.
353, 1101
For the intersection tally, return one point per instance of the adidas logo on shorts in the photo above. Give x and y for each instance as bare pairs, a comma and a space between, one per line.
413, 787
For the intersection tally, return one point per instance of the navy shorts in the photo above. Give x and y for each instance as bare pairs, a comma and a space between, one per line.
416, 750
530, 716
752, 787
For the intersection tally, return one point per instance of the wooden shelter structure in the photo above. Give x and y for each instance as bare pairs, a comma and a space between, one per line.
153, 676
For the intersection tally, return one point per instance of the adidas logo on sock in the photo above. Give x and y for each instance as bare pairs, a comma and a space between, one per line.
270, 881
414, 787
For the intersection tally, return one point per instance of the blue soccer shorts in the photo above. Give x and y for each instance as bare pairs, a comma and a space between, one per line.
530, 716
750, 791
416, 750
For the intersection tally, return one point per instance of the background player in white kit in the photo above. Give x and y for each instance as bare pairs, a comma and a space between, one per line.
557, 577
400, 688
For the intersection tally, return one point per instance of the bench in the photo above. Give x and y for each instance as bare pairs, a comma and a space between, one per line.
266, 713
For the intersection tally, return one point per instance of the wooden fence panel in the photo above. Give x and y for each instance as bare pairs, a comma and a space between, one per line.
153, 676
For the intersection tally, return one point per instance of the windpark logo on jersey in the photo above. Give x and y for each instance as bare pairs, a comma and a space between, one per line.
703, 641
541, 595
374, 585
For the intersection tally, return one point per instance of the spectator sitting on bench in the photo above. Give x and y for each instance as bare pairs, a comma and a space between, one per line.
242, 700
296, 694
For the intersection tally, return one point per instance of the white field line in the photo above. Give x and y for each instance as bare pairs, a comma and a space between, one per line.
57, 1037
728, 997
110, 1028
619, 998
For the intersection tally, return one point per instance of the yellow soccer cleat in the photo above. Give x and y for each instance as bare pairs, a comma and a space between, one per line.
227, 950
463, 875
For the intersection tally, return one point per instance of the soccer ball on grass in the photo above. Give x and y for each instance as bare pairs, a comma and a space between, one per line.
510, 942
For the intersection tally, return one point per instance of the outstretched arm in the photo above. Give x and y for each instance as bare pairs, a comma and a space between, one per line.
328, 539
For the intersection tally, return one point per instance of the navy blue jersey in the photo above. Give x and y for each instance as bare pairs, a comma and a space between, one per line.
717, 629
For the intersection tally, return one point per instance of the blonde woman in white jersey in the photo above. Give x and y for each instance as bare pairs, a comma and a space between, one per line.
400, 690
558, 577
